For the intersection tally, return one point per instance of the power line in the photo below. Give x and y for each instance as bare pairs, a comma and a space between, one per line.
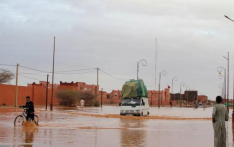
34, 69
36, 73
62, 73
30, 78
76, 70
78, 73
111, 75
57, 72
7, 65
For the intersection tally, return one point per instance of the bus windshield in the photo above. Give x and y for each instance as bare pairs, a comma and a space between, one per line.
131, 102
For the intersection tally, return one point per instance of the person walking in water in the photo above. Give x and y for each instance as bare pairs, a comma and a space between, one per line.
82, 103
219, 116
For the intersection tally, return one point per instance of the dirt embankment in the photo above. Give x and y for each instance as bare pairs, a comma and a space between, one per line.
137, 117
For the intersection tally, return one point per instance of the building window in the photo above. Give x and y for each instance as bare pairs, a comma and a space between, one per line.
85, 88
115, 94
90, 89
108, 96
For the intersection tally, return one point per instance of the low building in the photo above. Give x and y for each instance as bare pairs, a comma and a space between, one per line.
177, 96
114, 97
190, 96
79, 86
202, 98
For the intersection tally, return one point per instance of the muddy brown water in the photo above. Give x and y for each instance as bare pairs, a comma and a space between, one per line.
95, 127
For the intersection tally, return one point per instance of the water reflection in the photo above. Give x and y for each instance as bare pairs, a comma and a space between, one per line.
29, 135
134, 135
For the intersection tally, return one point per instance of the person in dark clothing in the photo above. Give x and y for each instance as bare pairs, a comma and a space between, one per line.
29, 109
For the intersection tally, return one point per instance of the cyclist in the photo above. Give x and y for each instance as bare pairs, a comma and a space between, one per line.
29, 109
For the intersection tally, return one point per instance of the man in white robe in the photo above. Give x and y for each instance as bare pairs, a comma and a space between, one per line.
219, 116
82, 103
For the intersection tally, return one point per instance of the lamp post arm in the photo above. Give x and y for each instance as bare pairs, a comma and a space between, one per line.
175, 78
144, 63
228, 18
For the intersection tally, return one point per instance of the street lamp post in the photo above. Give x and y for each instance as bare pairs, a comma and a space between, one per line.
223, 85
221, 89
101, 97
187, 87
52, 92
173, 79
152, 97
227, 96
187, 96
182, 83
233, 86
163, 73
219, 69
144, 63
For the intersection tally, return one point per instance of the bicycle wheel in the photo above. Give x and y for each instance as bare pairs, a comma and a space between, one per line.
36, 120
19, 120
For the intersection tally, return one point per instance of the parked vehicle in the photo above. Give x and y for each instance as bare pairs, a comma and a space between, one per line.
134, 98
135, 106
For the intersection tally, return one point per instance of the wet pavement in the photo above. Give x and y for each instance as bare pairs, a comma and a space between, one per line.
95, 127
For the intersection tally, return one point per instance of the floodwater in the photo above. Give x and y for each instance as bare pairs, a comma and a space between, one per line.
96, 127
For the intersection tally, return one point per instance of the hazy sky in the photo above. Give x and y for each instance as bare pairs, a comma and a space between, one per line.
192, 38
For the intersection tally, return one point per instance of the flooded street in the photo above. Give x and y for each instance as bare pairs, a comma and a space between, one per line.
95, 127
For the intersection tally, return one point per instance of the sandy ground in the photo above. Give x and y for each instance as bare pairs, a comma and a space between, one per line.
95, 127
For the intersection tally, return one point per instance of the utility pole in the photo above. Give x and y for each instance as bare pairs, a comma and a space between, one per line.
228, 81
16, 84
159, 90
52, 93
227, 96
101, 97
225, 92
151, 97
47, 89
155, 72
97, 80
187, 95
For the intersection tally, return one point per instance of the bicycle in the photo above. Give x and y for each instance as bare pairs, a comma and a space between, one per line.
20, 119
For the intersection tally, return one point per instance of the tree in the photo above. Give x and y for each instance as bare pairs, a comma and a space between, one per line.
180, 102
67, 97
5, 76
89, 98
71, 97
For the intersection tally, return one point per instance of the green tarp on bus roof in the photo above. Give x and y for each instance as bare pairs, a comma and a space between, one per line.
134, 88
